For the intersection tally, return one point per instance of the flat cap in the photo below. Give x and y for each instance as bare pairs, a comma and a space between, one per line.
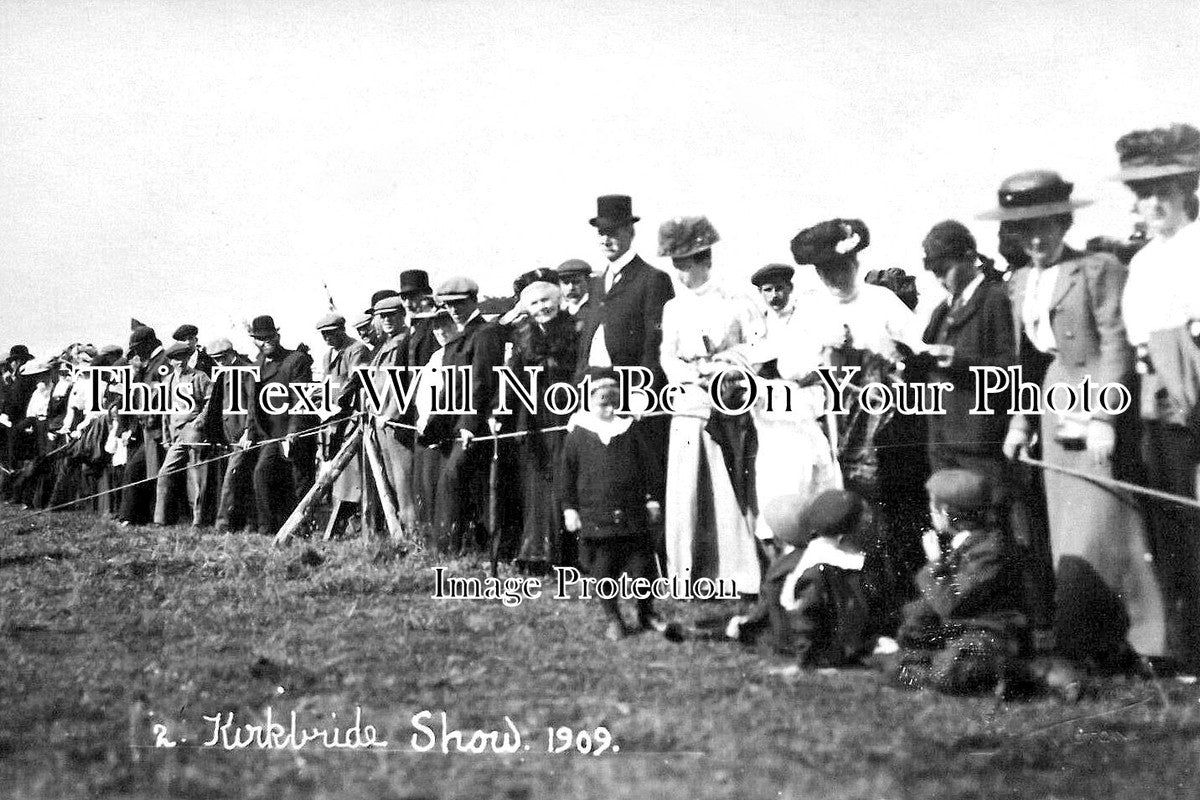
772, 273
362, 321
829, 241
390, 305
185, 332
685, 236
331, 322
572, 267
177, 351
219, 347
458, 288
960, 488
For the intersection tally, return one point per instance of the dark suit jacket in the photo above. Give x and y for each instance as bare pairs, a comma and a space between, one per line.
981, 333
632, 318
481, 347
287, 367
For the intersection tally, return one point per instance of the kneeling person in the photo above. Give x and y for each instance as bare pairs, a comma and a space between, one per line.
968, 630
813, 604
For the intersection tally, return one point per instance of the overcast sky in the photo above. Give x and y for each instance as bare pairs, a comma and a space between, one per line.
206, 162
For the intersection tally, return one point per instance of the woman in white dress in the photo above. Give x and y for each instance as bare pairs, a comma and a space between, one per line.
708, 328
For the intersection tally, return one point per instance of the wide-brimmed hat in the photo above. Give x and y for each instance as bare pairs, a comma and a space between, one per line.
263, 327
415, 281
685, 236
830, 241
1158, 153
613, 211
19, 352
772, 273
1033, 194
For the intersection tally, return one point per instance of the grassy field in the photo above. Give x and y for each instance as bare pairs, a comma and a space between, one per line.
107, 632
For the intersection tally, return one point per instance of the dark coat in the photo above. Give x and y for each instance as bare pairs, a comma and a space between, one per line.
981, 333
975, 586
287, 367
480, 346
609, 485
830, 628
631, 314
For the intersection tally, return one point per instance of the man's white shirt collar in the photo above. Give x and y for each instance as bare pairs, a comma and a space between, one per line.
615, 267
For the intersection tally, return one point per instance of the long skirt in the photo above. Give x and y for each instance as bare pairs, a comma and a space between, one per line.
1106, 592
710, 534
541, 530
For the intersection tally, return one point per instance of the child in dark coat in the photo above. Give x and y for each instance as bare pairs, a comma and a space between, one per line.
610, 497
968, 630
813, 605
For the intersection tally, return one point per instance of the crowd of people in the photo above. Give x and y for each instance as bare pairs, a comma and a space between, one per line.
1084, 566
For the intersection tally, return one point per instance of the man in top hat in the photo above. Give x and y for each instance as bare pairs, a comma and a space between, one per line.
285, 469
149, 360
575, 279
181, 436
15, 390
420, 304
626, 329
462, 491
344, 355
1068, 323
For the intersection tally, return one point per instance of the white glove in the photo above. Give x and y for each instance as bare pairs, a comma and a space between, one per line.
1014, 442
733, 628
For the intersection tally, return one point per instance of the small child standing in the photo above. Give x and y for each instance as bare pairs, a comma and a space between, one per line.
610, 496
968, 631
813, 604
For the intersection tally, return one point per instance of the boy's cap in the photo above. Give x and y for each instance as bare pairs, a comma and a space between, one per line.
831, 513
960, 488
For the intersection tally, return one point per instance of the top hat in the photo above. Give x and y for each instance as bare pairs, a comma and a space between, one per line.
415, 280
613, 211
1158, 153
263, 327
1032, 195
19, 352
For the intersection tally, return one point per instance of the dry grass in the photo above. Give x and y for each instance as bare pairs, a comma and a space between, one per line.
106, 631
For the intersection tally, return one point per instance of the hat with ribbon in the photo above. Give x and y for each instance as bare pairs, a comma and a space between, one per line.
1032, 195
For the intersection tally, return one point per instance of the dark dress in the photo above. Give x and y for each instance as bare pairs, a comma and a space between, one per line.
554, 348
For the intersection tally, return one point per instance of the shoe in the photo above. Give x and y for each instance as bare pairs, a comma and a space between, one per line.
652, 622
615, 631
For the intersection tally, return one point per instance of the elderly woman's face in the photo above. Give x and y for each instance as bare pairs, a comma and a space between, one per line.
541, 301
1161, 205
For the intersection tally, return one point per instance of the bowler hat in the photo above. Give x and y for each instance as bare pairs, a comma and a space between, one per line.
613, 211
830, 241
415, 281
1032, 195
960, 488
772, 273
380, 295
1158, 153
331, 322
539, 275
572, 267
185, 332
457, 288
263, 327
685, 236
178, 350
19, 352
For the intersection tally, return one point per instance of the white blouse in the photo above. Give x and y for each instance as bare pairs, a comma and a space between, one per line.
1163, 287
